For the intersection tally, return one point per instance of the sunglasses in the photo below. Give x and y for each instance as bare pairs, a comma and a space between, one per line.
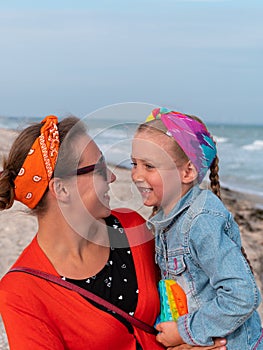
100, 167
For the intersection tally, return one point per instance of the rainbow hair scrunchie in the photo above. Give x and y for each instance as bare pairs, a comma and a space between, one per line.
191, 135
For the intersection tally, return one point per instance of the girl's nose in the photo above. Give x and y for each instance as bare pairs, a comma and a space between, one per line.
137, 174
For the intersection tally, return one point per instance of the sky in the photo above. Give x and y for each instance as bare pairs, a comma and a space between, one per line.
202, 57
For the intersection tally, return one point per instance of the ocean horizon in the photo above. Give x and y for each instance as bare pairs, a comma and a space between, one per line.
240, 148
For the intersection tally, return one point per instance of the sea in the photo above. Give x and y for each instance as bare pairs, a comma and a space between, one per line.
240, 148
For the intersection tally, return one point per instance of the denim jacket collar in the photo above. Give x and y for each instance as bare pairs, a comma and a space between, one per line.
160, 221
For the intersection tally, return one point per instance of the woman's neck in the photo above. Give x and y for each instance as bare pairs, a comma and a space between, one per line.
73, 255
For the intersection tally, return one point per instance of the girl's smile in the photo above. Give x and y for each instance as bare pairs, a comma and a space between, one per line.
157, 177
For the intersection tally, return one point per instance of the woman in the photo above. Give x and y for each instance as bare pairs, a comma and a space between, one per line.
58, 171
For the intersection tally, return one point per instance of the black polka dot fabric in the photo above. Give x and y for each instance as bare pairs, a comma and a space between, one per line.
116, 282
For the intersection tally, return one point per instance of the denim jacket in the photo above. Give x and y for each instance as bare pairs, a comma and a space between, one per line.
198, 245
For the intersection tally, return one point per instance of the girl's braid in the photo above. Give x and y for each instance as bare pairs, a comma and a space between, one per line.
215, 188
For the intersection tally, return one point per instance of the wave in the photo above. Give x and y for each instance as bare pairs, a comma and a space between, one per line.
257, 145
220, 139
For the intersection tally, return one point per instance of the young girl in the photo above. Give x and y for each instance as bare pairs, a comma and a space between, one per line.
198, 242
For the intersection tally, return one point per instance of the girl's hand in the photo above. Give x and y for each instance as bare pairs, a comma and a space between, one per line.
168, 334
220, 344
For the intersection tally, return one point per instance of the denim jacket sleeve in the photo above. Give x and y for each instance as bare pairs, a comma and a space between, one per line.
231, 295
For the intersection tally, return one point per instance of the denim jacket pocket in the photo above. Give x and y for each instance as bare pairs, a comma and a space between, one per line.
176, 266
177, 271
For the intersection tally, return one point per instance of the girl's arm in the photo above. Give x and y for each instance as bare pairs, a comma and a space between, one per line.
169, 336
231, 289
220, 344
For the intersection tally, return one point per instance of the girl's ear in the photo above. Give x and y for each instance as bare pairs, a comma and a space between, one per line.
190, 173
59, 189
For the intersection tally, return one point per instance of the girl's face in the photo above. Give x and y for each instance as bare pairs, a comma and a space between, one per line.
156, 172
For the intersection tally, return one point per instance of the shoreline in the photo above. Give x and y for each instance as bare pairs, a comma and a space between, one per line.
249, 195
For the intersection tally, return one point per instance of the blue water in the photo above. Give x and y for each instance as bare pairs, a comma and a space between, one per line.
240, 148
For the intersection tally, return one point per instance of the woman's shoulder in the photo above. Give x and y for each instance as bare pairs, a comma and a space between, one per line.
32, 256
22, 260
26, 255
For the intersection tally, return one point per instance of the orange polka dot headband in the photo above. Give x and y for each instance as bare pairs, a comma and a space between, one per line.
36, 172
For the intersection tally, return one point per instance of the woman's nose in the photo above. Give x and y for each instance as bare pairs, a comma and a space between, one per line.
111, 177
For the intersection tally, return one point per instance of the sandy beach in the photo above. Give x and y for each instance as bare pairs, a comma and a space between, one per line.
18, 228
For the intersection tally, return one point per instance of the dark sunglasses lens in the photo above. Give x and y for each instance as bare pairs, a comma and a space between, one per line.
101, 169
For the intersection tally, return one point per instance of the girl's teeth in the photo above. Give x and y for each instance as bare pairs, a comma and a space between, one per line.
146, 190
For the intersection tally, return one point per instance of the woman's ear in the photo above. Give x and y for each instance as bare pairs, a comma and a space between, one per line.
190, 173
59, 189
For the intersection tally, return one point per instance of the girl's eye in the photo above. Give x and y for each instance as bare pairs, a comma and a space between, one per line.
147, 166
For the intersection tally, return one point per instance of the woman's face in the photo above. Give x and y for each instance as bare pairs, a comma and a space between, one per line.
155, 172
89, 191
